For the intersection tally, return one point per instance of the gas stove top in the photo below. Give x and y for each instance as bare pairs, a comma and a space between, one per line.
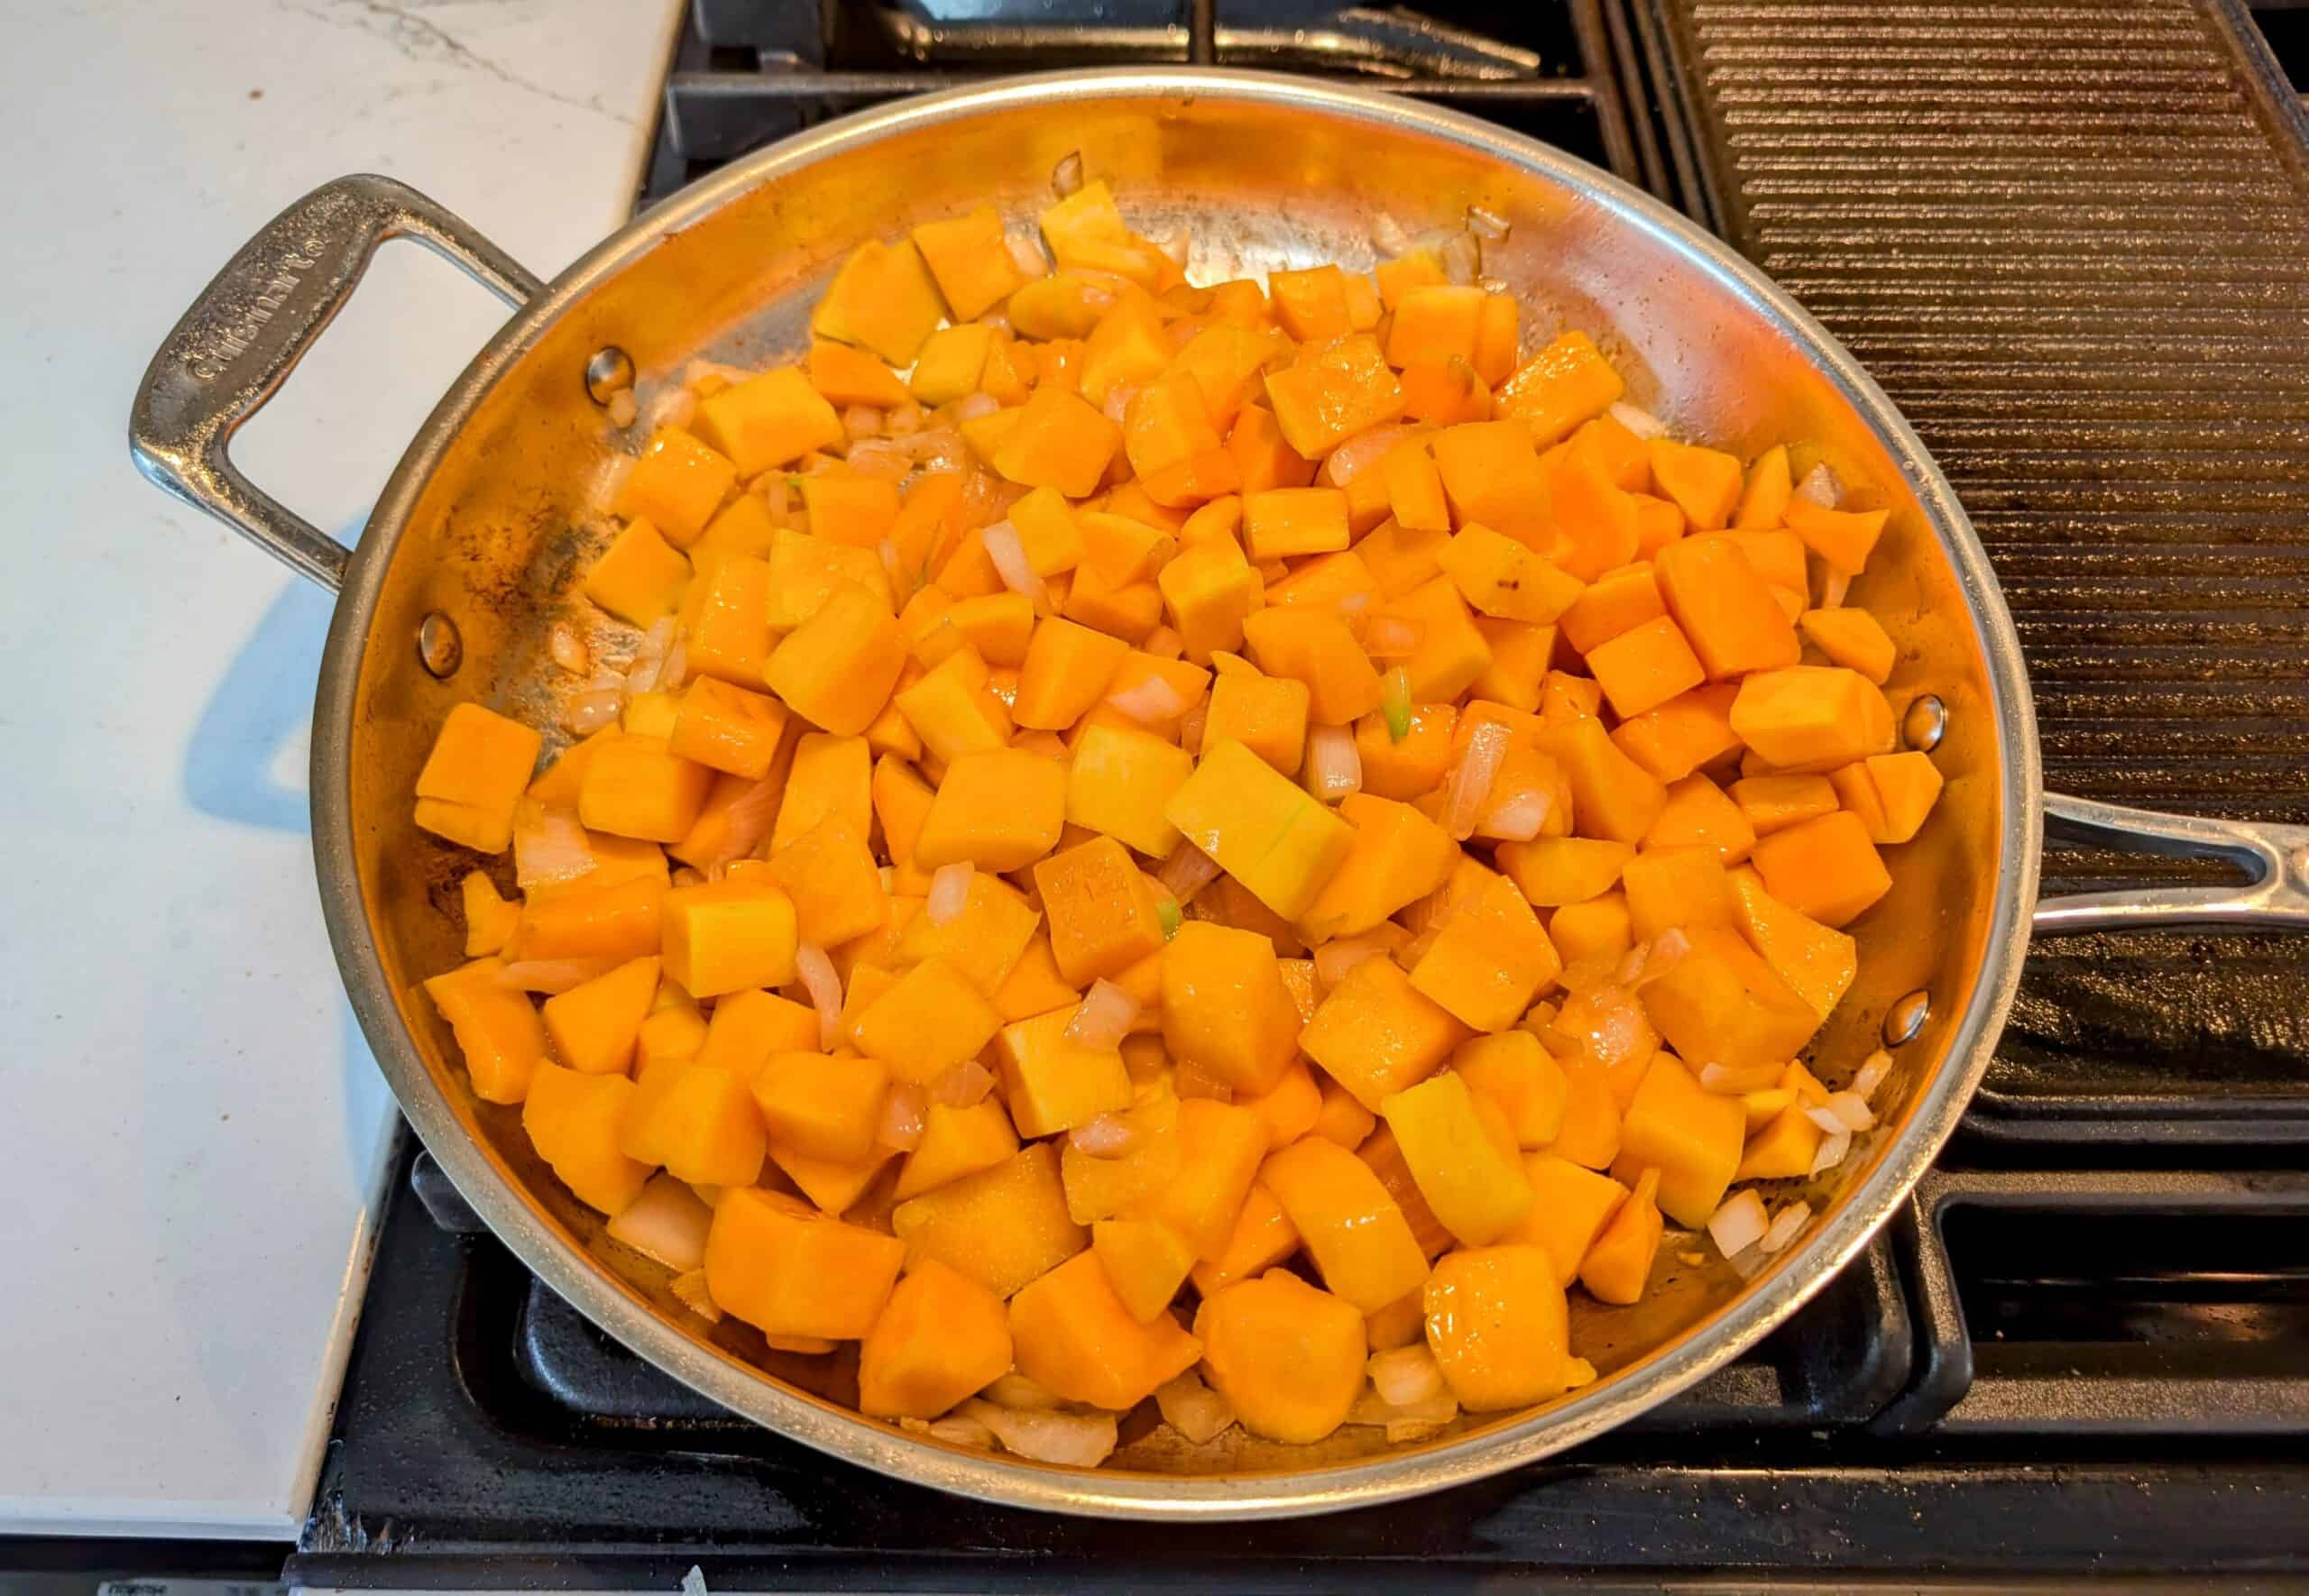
2066, 235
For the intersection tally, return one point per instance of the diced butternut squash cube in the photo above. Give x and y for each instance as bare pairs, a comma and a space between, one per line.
727, 612
932, 1020
942, 1338
1220, 1147
1645, 667
496, 1026
1520, 1078
1002, 1226
949, 363
1852, 638
1398, 855
770, 420
490, 920
1414, 486
1066, 670
1313, 645
1265, 714
636, 786
1267, 834
1617, 601
1812, 717
698, 1121
574, 1119
1618, 1266
1721, 1003
1288, 1357
837, 668
1226, 1009
639, 577
1492, 476
1472, 1185
999, 809
847, 376
1281, 523
1560, 387
1818, 962
983, 942
1290, 1107
479, 765
1826, 869
1784, 1148
822, 1107
829, 775
727, 728
1724, 607
956, 1142
1060, 441
676, 484
618, 921
1451, 654
1569, 1207
1612, 796
1377, 1034
1551, 871
883, 297
1775, 802
1120, 783
1332, 393
1102, 910
725, 936
830, 874
1677, 738
1704, 483
1356, 1235
1504, 578
1034, 986
1698, 815
971, 264
1690, 1135
1843, 538
1146, 1261
1491, 959
1074, 1337
1668, 887
1891, 794
1770, 486
790, 1271
1054, 1083
1596, 928
594, 1024
1263, 1236
1497, 1323
1100, 1188
747, 1027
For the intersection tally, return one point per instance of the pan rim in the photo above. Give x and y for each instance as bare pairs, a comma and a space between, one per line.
577, 1276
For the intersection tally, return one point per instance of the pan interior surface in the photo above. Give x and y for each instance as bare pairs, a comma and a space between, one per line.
490, 521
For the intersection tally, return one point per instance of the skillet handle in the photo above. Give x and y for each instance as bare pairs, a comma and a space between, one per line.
250, 327
2275, 897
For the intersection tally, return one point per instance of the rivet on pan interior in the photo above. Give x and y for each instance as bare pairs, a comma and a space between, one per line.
1907, 1017
608, 373
439, 649
1925, 724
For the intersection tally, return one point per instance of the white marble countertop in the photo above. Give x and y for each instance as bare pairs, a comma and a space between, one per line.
192, 1122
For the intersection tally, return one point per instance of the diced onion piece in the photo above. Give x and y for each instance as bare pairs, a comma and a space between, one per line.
673, 407
650, 659
1834, 587
956, 1430
1066, 177
1193, 1409
1029, 256
1871, 1075
975, 405
1831, 1150
1019, 1394
1405, 1375
709, 376
1852, 1109
818, 977
949, 892
861, 421
1105, 1018
1784, 1227
690, 1290
1335, 957
1739, 1224
1150, 702
1084, 1440
1827, 1119
588, 712
1193, 723
624, 408
746, 822
677, 668
1365, 449
1105, 1135
1176, 244
1164, 643
962, 1086
1187, 872
1371, 1407
1520, 818
903, 1110
1387, 235
569, 651
1333, 765
549, 845
1008, 553
667, 1222
1820, 487
1392, 636
1488, 225
1188, 1080
902, 420
1737, 1082
1641, 422
1471, 779
1461, 258
1394, 703
551, 976
1117, 405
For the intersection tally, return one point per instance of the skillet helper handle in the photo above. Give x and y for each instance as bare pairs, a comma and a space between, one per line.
2275, 897
255, 321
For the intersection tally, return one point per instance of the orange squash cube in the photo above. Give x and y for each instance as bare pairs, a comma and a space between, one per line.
1103, 1188
1225, 360
829, 776
1497, 1323
1333, 391
1474, 1187
1700, 815
474, 776
942, 1338
838, 668
1263, 459
1704, 483
1504, 578
490, 920
1397, 857
1612, 796
1002, 1226
1066, 670
1120, 783
847, 376
884, 297
725, 936
1519, 1077
1725, 608
1721, 1003
1280, 523
1617, 601
618, 921
1060, 441
635, 786
698, 1121
1674, 739
984, 942
1844, 538
1850, 638
1552, 871
1491, 474
1435, 321
1226, 1009
770, 420
1618, 1266
1668, 887
1560, 387
1812, 717
1645, 667
972, 264
1445, 394
1287, 1356
747, 1027
822, 1107
676, 483
1263, 1236
1146, 1262
1267, 834
1313, 645
1596, 928
1570, 1206
1355, 1233
999, 809
1377, 1034
1291, 1107
789, 1271
573, 1120
1265, 714
1100, 908
727, 614
727, 728
1072, 1335
935, 1018
1827, 869
594, 1024
1054, 1083
1774, 803
1770, 487
1219, 1150
956, 1142
639, 577
497, 1028
1491, 959
1689, 1135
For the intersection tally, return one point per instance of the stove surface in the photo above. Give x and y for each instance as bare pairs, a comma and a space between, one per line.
2066, 235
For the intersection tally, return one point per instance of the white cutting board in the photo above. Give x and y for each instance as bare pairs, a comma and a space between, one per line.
193, 1126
